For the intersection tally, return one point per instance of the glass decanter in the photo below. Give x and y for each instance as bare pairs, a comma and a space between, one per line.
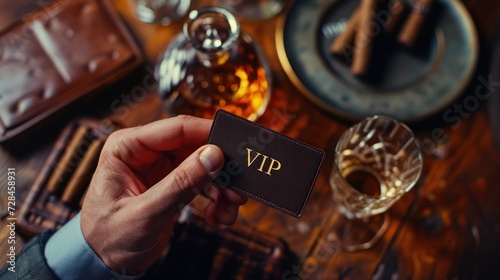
213, 65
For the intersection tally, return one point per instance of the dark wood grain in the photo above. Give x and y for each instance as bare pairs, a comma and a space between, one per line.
447, 227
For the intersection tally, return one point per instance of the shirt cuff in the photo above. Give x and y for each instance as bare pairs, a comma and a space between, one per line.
70, 256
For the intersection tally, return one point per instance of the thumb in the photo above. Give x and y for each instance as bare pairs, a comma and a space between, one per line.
184, 182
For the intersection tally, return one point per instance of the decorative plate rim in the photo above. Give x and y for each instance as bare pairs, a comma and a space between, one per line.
461, 83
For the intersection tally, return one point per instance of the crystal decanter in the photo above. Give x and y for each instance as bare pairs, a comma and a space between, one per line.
213, 65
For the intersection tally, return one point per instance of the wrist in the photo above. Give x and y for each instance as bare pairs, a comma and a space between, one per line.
76, 260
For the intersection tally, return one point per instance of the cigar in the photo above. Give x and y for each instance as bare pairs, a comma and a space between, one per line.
397, 11
414, 23
345, 40
81, 177
364, 38
69, 160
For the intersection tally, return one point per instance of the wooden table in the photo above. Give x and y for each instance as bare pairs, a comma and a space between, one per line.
447, 227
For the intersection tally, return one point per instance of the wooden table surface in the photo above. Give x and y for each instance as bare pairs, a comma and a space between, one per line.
447, 227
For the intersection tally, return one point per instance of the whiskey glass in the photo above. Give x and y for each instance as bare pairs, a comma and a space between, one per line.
376, 162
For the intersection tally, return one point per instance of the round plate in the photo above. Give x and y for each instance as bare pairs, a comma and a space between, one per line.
408, 85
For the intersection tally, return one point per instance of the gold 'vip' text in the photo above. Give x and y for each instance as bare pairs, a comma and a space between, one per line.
273, 163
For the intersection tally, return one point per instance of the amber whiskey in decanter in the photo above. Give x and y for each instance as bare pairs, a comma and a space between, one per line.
213, 65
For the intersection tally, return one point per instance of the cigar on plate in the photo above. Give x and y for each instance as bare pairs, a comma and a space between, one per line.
83, 174
69, 160
411, 29
397, 10
363, 41
344, 43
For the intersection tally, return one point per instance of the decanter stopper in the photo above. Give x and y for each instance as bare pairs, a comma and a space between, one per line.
213, 65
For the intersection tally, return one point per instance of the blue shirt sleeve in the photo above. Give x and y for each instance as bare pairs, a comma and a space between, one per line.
70, 256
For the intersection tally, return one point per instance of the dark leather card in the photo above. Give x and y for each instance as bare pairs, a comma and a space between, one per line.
265, 165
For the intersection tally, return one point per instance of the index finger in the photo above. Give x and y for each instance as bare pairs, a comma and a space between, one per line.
170, 134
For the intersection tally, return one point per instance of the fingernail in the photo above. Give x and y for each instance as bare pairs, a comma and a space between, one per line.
212, 192
211, 159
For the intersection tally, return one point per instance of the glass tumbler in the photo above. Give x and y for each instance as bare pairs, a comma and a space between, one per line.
376, 162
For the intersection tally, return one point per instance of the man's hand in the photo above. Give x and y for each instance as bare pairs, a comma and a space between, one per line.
144, 176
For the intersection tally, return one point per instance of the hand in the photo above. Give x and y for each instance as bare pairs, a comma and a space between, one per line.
144, 176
